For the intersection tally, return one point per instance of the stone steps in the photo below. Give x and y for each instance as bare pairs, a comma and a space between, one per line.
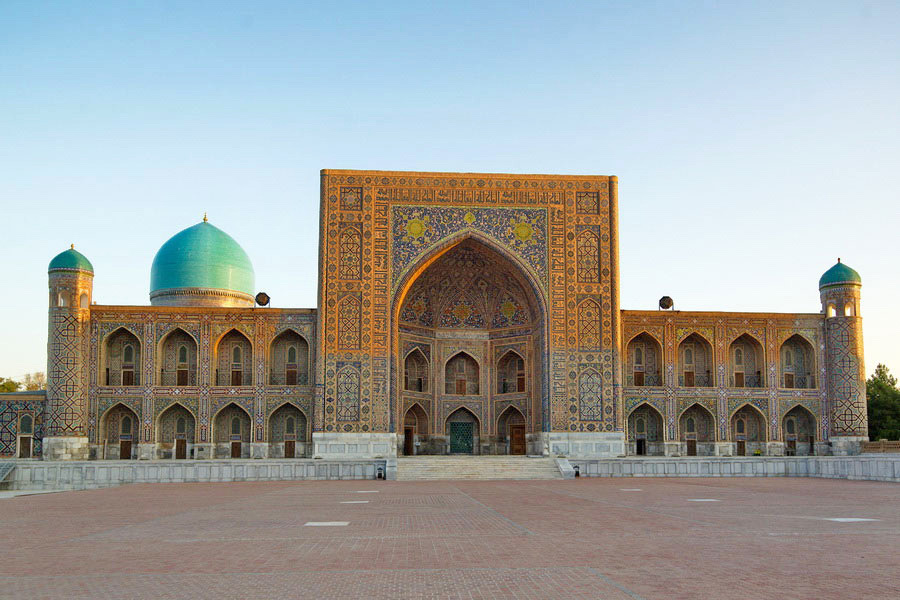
429, 468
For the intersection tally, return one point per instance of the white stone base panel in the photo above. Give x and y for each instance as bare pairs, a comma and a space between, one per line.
80, 475
66, 448
354, 445
864, 467
587, 445
847, 445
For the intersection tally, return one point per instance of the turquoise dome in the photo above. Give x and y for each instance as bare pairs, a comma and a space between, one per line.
71, 260
839, 274
202, 257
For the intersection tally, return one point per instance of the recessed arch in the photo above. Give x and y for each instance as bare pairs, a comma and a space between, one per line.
644, 357
462, 375
120, 358
463, 429
748, 429
419, 420
289, 359
178, 359
511, 373
287, 428
797, 361
746, 362
233, 359
695, 363
696, 426
120, 431
799, 427
176, 430
645, 430
231, 441
416, 368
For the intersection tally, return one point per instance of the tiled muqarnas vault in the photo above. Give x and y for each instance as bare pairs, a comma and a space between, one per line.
458, 313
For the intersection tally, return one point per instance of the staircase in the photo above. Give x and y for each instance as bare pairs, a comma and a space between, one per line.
6, 467
423, 468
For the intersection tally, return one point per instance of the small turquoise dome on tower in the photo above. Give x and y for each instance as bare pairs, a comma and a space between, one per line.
71, 260
839, 274
201, 266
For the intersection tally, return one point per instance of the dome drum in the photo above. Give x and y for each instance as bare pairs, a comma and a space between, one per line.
205, 297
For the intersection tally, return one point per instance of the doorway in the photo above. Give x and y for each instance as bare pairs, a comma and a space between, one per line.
692, 447
461, 438
181, 448
409, 443
641, 447
235, 449
124, 449
741, 448
289, 448
25, 446
517, 439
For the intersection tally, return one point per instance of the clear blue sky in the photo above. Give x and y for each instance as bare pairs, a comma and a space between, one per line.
754, 142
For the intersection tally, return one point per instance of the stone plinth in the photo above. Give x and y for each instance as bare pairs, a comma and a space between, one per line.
66, 448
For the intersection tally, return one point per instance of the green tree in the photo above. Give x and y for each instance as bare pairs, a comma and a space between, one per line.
884, 405
8, 385
35, 381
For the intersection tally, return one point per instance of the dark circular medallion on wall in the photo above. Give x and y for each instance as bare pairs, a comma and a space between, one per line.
666, 303
263, 299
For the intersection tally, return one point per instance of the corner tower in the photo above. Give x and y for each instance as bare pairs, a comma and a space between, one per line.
71, 281
839, 289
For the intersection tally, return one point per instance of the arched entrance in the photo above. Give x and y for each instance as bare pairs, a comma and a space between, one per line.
287, 432
469, 325
645, 431
175, 432
119, 430
463, 431
799, 427
696, 428
232, 432
511, 425
748, 430
415, 424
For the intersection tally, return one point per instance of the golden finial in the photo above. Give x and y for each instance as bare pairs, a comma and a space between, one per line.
204, 217
839, 259
71, 246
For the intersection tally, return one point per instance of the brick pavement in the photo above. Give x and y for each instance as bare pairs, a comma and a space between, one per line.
527, 539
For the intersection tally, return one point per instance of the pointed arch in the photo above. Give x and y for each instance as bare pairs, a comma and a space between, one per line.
175, 422
417, 418
746, 362
643, 360
511, 415
287, 423
119, 430
416, 371
797, 361
645, 427
223, 424
696, 364
289, 358
178, 352
464, 429
748, 424
511, 372
799, 427
118, 366
233, 359
462, 375
703, 429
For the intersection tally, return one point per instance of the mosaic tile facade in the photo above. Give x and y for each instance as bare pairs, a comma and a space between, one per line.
417, 270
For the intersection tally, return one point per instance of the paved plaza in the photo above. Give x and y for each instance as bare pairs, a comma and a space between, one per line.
584, 538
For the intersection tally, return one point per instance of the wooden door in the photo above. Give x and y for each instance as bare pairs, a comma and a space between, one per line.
642, 447
237, 377
741, 448
128, 377
25, 447
517, 439
125, 449
409, 442
289, 448
461, 387
812, 445
235, 449
181, 377
791, 447
639, 378
692, 447
738, 380
180, 448
688, 379
290, 377
788, 380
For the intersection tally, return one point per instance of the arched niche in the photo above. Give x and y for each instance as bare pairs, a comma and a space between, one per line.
287, 432
289, 359
696, 431
462, 375
178, 359
695, 362
511, 373
746, 363
511, 429
121, 359
798, 428
463, 431
415, 426
642, 361
645, 431
232, 430
233, 360
416, 372
176, 429
119, 432
748, 431
798, 363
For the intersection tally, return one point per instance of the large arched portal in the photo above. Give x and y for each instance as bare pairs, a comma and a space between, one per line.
474, 323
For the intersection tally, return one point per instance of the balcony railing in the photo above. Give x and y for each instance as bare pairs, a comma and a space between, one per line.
801, 382
282, 379
171, 378
650, 380
699, 381
125, 378
750, 381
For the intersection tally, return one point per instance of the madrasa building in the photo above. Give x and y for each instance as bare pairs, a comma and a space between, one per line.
457, 313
